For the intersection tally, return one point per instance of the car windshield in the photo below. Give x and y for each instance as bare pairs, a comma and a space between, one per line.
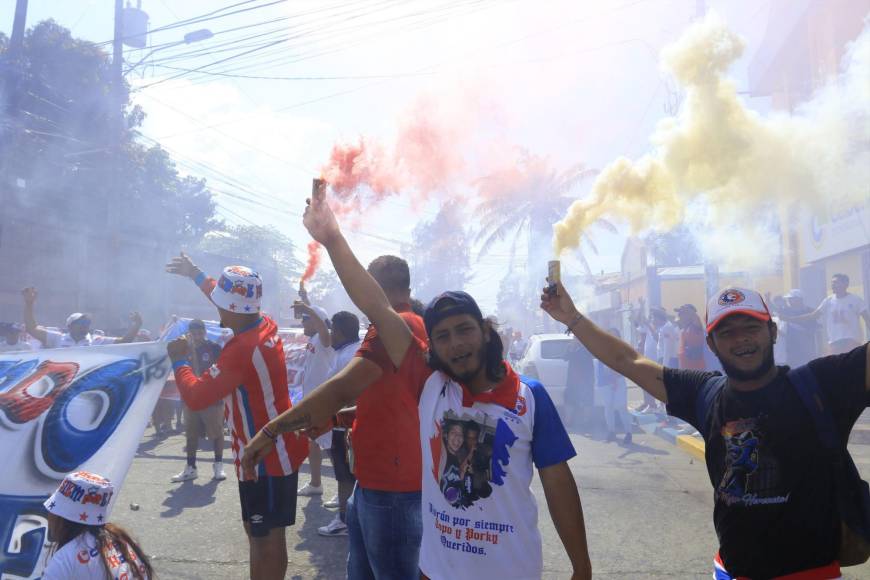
551, 349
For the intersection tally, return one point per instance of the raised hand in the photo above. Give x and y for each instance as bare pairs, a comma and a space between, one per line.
182, 265
178, 349
559, 305
319, 219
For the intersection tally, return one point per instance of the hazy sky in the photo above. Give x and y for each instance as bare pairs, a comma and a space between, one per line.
574, 81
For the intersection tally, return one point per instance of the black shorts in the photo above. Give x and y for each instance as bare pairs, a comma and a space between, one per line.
340, 463
269, 502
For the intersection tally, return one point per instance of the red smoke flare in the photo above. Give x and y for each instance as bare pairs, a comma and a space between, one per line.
313, 261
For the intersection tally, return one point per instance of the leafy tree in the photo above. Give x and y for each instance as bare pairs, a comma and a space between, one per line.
677, 247
440, 254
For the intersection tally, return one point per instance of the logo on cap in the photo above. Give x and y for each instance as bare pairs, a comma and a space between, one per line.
731, 297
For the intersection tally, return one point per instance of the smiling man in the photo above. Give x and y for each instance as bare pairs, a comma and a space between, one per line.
483, 430
773, 470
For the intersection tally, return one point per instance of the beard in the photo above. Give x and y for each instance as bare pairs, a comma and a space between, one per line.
467, 376
741, 375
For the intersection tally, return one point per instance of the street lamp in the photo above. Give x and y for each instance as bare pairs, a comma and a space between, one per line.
189, 38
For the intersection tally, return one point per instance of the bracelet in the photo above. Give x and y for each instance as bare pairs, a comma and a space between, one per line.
269, 433
570, 328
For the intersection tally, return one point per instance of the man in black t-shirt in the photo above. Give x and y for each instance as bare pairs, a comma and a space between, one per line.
775, 508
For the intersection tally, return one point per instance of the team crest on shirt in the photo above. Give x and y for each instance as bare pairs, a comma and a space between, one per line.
469, 456
522, 407
731, 297
214, 371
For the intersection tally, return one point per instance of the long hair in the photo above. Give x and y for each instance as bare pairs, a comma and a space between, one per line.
108, 536
493, 357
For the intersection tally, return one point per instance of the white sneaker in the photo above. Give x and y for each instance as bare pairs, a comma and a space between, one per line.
309, 490
186, 475
333, 503
219, 474
334, 528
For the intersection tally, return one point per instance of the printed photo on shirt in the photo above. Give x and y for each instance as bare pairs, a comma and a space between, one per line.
464, 463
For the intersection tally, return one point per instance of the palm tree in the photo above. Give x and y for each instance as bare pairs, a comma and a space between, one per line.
525, 201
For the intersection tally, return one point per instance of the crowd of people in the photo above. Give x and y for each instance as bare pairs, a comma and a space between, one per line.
426, 418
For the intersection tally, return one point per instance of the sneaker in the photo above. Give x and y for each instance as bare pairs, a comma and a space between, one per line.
333, 503
219, 474
627, 439
335, 528
186, 475
308, 490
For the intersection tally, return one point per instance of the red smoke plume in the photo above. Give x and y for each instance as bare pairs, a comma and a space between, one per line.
313, 260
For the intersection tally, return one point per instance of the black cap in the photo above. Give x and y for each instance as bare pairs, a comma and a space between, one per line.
458, 302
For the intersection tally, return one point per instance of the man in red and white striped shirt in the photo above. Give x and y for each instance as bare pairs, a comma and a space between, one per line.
251, 379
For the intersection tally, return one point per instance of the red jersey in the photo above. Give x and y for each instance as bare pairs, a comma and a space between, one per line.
386, 431
249, 375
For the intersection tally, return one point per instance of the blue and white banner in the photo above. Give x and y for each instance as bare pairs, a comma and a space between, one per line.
63, 410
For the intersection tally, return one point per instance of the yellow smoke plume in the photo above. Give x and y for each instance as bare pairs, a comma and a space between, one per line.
727, 156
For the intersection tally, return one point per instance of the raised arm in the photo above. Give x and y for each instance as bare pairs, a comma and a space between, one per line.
315, 410
610, 350
182, 265
135, 325
30, 325
319, 325
363, 290
200, 392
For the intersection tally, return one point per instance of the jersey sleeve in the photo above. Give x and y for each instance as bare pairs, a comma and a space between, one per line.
550, 442
213, 385
683, 386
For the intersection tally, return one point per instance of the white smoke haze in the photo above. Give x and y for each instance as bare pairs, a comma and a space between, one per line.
739, 164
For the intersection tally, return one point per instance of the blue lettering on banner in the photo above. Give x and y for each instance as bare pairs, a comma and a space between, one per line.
22, 562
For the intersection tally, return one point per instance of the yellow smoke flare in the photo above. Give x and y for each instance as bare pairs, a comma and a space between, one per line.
718, 150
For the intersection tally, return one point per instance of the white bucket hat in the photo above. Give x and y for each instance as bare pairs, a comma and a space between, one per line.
83, 498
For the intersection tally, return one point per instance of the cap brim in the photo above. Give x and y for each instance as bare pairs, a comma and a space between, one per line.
753, 313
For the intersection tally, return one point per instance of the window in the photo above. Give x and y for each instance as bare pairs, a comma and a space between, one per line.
555, 349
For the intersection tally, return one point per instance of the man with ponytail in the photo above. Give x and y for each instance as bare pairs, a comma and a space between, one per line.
87, 547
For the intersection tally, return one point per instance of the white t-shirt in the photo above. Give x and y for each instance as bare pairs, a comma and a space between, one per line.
669, 342
318, 360
842, 317
480, 518
55, 339
80, 560
342, 357
650, 344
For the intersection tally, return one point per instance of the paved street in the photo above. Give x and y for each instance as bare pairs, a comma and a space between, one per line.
648, 511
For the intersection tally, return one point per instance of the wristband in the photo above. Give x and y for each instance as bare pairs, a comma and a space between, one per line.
199, 278
180, 363
570, 327
269, 433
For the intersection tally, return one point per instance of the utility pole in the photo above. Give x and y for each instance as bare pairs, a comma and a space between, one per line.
113, 229
16, 41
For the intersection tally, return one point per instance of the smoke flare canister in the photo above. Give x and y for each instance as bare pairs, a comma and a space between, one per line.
554, 275
317, 186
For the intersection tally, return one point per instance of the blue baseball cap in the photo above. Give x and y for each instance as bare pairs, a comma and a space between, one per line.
456, 302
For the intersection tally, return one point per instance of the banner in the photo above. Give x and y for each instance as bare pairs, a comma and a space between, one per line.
62, 410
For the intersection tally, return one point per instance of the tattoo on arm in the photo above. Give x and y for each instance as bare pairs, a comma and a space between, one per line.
297, 424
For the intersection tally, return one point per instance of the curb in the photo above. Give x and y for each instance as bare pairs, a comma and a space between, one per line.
694, 446
650, 424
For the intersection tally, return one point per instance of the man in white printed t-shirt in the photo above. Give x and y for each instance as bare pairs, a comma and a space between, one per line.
78, 328
842, 312
483, 431
318, 360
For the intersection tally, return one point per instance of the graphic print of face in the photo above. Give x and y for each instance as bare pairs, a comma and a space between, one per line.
458, 341
455, 438
471, 435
